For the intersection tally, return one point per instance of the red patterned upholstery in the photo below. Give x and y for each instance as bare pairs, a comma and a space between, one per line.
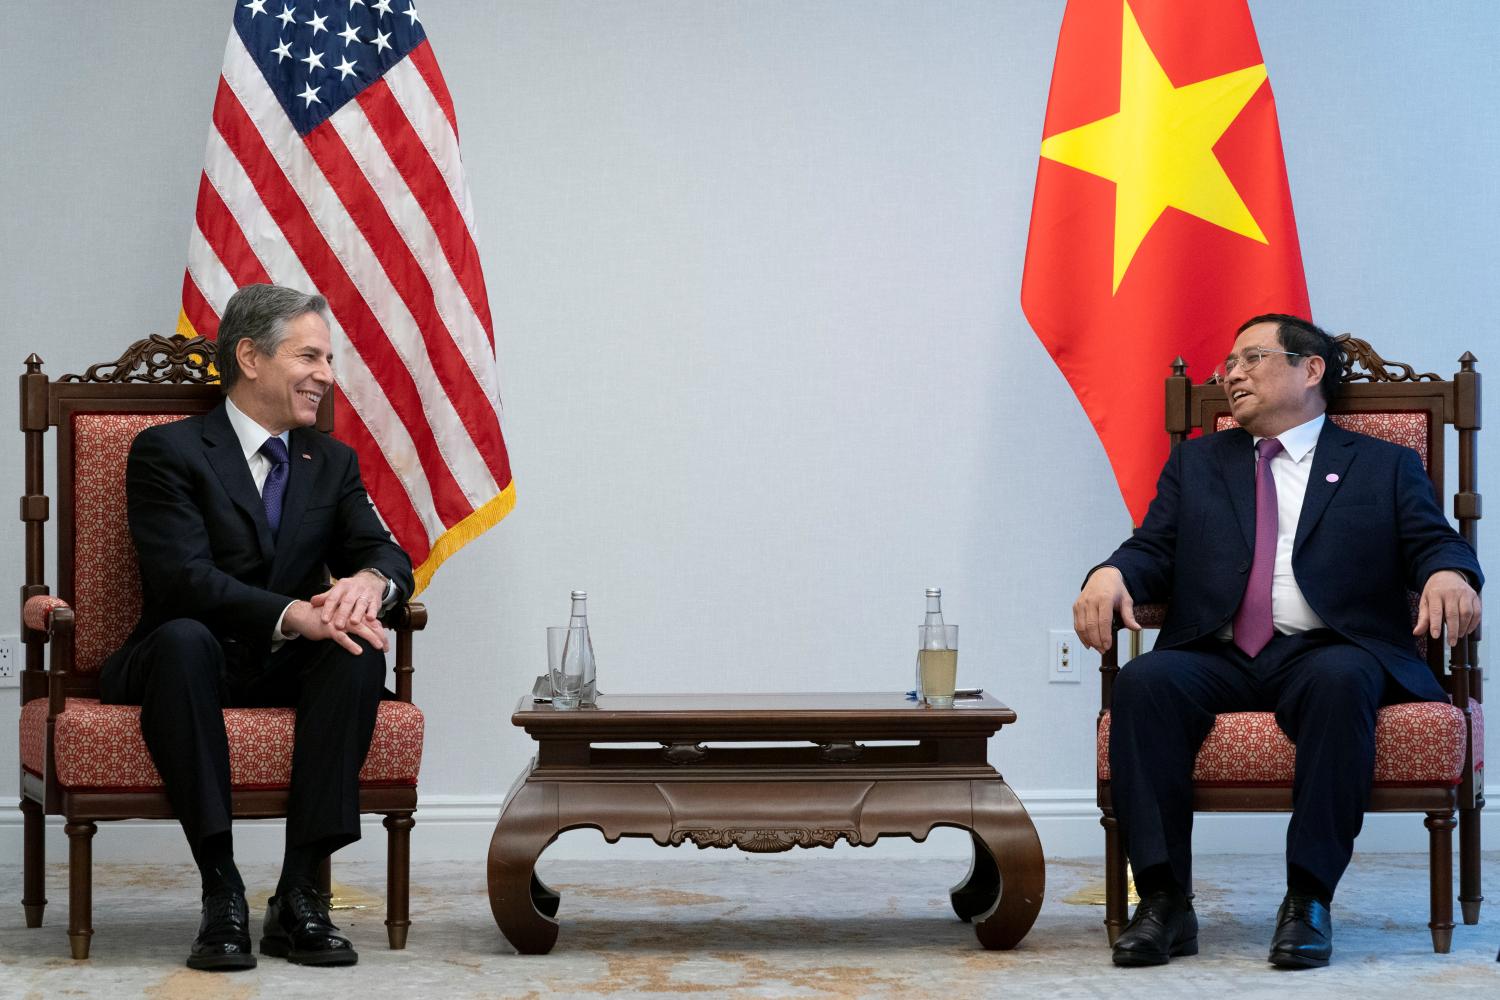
1150, 615
1403, 427
106, 582
38, 609
1419, 743
100, 746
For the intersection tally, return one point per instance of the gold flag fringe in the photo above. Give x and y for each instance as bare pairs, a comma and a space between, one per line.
464, 532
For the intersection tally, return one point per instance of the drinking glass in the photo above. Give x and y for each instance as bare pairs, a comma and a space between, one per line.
937, 663
567, 663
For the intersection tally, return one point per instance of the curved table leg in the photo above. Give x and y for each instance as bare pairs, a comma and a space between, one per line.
1003, 831
528, 823
980, 889
545, 898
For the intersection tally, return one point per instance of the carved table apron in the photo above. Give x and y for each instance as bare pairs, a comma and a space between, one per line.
825, 767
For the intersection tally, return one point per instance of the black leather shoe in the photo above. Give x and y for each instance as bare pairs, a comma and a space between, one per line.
1304, 933
223, 942
1163, 927
298, 930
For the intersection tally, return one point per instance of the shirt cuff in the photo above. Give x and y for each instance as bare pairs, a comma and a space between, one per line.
389, 598
277, 635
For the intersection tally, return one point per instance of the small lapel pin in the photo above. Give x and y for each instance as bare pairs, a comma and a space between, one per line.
1332, 477
306, 455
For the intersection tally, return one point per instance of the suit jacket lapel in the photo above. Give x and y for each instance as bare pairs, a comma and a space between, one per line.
1333, 457
306, 462
1237, 466
222, 447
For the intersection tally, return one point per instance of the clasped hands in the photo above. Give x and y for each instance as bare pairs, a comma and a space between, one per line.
1447, 600
351, 607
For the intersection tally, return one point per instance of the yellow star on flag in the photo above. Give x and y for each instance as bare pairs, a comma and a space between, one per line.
1158, 149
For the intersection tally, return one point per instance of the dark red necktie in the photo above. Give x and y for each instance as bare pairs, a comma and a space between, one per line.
1253, 626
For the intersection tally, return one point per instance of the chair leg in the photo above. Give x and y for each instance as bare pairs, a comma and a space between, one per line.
1440, 865
1114, 877
80, 886
34, 861
325, 875
398, 878
1469, 896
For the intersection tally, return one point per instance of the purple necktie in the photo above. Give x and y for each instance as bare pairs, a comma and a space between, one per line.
271, 494
1253, 627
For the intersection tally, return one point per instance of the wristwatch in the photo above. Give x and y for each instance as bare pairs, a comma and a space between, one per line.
385, 581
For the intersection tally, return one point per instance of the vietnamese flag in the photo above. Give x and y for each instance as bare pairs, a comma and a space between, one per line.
1162, 218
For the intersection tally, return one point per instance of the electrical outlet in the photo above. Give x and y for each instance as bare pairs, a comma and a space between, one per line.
1063, 649
10, 661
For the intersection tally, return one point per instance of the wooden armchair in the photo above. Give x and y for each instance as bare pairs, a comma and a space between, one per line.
86, 761
1429, 757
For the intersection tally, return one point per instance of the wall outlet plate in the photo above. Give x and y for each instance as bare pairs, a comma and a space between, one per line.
10, 661
1063, 652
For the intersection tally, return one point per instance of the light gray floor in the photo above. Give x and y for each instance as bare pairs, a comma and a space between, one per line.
721, 924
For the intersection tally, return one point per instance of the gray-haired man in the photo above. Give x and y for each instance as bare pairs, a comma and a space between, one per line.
239, 517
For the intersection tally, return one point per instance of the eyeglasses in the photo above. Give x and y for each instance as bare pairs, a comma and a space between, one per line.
1247, 362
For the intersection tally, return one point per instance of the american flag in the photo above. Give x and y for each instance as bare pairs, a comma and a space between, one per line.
333, 166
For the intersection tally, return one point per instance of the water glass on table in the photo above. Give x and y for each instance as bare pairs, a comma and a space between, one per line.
937, 663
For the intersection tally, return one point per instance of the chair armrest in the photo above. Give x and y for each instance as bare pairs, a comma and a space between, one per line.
406, 618
36, 613
1151, 615
1146, 616
48, 619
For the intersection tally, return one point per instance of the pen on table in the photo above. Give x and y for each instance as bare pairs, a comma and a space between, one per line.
966, 693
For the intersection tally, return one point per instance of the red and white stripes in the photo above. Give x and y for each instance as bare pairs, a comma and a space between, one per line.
370, 209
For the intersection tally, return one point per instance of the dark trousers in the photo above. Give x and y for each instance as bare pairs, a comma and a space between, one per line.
178, 676
1325, 693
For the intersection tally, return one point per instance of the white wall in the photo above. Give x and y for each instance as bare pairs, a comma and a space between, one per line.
755, 270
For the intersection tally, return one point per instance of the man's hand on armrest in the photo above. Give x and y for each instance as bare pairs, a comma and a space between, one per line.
1448, 599
1103, 595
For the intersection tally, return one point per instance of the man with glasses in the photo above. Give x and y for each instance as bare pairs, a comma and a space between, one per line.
1286, 549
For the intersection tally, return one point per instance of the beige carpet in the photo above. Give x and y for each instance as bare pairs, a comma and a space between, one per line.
810, 924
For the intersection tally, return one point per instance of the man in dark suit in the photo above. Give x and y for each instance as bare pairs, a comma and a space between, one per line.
1286, 549
238, 518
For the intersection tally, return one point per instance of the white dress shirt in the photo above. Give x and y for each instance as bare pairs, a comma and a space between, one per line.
252, 435
1290, 612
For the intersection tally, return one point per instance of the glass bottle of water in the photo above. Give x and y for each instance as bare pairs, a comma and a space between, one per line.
579, 620
934, 617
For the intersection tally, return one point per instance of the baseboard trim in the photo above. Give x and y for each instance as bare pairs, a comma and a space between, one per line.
459, 827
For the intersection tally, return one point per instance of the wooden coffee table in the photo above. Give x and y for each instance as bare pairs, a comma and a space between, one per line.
810, 778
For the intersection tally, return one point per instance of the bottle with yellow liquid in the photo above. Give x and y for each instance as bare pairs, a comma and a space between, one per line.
937, 655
